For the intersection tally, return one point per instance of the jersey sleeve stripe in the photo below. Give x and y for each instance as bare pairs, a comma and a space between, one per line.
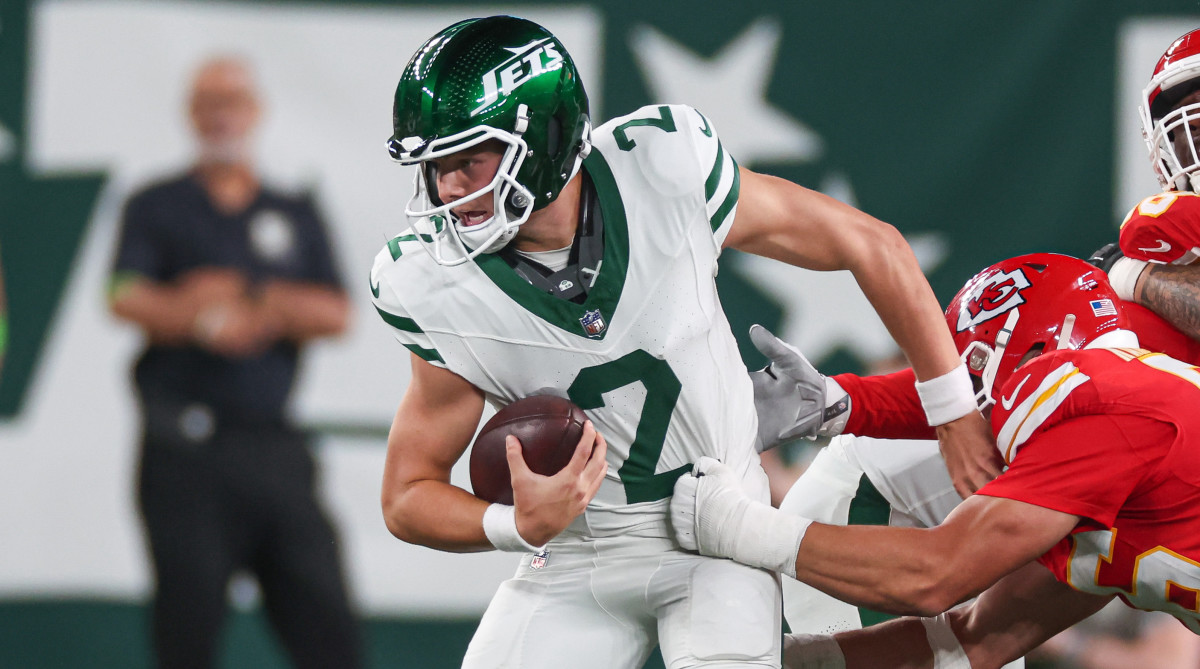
714, 176
426, 354
399, 322
1038, 407
730, 201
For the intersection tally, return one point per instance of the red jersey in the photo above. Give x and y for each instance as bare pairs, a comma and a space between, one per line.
887, 406
1163, 228
1113, 436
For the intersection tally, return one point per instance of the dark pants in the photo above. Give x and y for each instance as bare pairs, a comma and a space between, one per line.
242, 499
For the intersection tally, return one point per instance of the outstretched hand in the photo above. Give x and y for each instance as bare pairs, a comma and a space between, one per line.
789, 393
546, 505
970, 452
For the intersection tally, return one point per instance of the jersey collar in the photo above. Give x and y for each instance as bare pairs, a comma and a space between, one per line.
592, 318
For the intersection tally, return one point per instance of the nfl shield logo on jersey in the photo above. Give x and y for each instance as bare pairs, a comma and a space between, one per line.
593, 323
539, 560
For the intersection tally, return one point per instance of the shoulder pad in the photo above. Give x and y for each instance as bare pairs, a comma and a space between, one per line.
1031, 398
386, 274
1163, 228
678, 152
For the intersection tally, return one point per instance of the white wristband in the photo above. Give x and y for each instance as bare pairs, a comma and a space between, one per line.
947, 397
812, 651
948, 653
1124, 275
500, 526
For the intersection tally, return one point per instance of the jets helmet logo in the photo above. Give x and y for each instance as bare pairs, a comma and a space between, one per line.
526, 63
998, 294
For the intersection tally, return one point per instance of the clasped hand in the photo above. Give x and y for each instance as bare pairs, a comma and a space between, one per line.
546, 505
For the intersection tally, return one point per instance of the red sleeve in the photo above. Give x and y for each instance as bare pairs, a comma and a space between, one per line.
1086, 466
885, 406
1163, 228
1156, 334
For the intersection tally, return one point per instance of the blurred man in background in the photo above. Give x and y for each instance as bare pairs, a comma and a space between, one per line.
228, 279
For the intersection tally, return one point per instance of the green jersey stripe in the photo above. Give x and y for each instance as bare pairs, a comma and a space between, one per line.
731, 198
714, 176
426, 354
399, 322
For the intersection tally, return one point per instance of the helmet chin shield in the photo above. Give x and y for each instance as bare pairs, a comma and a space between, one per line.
447, 239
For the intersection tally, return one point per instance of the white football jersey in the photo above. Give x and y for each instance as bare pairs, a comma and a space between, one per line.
649, 355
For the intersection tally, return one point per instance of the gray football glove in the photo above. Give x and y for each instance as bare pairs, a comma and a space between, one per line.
790, 395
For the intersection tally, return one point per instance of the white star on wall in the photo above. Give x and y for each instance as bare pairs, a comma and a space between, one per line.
730, 89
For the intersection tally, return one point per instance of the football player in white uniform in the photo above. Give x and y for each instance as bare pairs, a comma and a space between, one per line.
548, 257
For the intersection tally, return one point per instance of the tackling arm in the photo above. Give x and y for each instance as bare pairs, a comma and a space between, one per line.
1008, 620
927, 571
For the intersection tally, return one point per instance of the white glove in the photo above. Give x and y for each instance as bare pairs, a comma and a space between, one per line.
711, 514
792, 399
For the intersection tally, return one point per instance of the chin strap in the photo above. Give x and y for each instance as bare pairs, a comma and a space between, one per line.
574, 281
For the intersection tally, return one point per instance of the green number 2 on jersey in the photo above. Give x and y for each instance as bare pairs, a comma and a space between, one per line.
662, 386
662, 393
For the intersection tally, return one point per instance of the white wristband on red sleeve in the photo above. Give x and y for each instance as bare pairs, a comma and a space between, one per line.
947, 397
500, 526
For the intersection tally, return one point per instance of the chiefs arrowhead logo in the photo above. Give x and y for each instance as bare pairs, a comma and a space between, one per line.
995, 295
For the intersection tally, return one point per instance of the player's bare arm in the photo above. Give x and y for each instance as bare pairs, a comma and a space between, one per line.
927, 571
1173, 292
781, 220
893, 569
1008, 620
432, 428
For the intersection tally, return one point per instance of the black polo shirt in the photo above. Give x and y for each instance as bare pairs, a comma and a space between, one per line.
172, 227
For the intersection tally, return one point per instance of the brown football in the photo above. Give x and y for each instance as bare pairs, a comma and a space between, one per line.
548, 428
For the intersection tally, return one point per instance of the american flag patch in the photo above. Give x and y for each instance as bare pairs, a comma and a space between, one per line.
1103, 308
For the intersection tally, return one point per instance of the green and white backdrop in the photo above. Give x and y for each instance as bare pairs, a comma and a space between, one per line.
981, 130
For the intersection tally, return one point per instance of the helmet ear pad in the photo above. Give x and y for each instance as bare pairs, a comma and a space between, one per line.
431, 173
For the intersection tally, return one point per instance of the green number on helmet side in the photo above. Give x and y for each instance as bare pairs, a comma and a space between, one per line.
662, 392
664, 122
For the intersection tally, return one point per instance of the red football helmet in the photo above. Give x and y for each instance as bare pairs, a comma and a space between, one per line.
1167, 125
1042, 301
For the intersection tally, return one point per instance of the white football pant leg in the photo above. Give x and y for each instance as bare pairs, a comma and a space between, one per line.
717, 613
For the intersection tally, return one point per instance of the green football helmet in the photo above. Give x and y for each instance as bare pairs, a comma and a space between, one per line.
496, 78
